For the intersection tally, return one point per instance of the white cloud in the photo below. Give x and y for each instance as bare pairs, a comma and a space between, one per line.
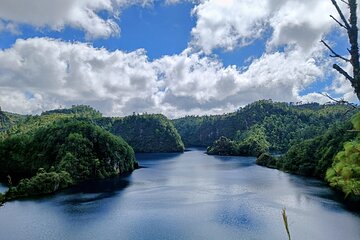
305, 26
73, 73
228, 24
22, 102
56, 14
40, 73
47, 73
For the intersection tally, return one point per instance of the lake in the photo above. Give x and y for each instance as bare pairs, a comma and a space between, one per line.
185, 196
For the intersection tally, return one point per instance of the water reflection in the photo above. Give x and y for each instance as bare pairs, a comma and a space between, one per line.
95, 190
185, 196
3, 188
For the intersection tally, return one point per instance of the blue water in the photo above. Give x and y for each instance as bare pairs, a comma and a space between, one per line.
185, 196
3, 188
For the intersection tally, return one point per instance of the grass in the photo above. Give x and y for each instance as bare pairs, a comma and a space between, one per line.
286, 223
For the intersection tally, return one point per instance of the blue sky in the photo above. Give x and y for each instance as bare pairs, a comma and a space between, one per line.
172, 57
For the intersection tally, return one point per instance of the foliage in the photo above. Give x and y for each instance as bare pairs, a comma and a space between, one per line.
80, 148
345, 171
7, 120
149, 133
284, 124
31, 123
42, 183
223, 146
252, 143
266, 159
77, 110
314, 156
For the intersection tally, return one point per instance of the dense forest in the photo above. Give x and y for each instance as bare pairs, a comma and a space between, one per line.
272, 125
9, 119
145, 133
149, 133
333, 156
319, 141
252, 142
60, 154
43, 153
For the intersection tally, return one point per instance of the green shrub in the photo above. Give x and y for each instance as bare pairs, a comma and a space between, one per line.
345, 171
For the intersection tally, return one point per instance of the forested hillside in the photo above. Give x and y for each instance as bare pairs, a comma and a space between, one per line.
333, 156
7, 120
314, 156
282, 124
61, 154
44, 153
26, 123
77, 110
148, 133
145, 133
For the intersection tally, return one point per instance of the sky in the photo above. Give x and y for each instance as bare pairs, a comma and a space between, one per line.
175, 57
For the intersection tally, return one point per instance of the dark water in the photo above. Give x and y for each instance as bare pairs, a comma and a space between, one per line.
185, 196
3, 188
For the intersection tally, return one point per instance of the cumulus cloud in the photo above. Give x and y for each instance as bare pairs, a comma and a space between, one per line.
291, 30
229, 24
66, 73
40, 73
56, 14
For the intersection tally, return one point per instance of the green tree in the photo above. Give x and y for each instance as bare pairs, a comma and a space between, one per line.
345, 171
65, 147
149, 133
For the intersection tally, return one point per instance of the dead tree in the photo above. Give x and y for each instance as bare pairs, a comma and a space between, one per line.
350, 25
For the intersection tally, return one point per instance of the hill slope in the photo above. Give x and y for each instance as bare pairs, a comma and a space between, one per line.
283, 124
148, 133
61, 154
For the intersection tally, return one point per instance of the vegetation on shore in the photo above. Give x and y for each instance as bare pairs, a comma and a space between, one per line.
318, 140
61, 154
252, 143
282, 124
344, 173
62, 147
145, 133
59, 148
333, 156
314, 156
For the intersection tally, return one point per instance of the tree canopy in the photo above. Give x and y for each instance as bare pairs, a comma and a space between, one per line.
149, 133
68, 149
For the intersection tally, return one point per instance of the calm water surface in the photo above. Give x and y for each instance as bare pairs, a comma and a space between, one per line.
185, 196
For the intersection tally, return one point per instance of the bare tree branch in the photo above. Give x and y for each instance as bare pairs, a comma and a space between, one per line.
341, 25
352, 32
343, 72
345, 2
346, 23
342, 102
333, 52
